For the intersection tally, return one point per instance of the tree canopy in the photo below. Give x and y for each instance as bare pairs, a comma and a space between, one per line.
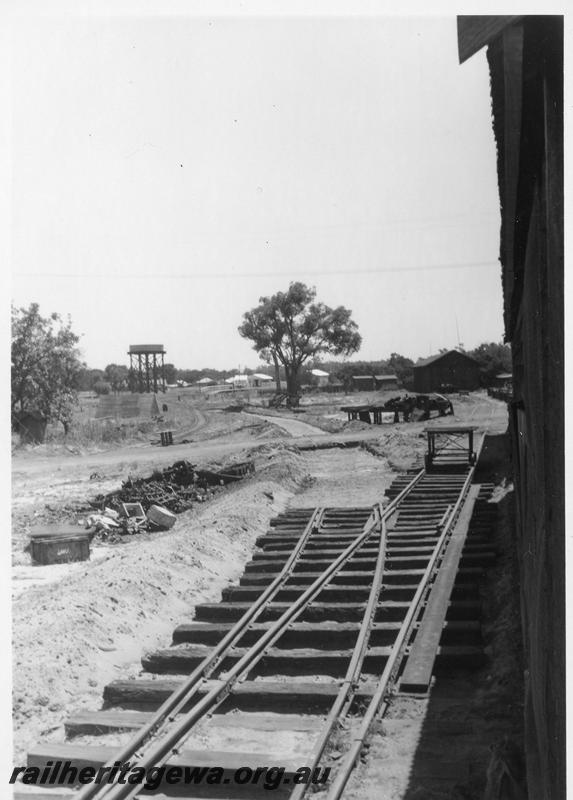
117, 375
290, 327
46, 366
493, 358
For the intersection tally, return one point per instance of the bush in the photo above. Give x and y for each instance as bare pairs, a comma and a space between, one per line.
101, 387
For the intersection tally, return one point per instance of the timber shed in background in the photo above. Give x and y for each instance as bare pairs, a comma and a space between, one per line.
363, 383
386, 382
451, 370
371, 383
525, 56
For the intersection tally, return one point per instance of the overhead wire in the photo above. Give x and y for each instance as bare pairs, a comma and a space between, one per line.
261, 274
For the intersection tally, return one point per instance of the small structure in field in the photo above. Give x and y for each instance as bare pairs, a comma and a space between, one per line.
447, 443
258, 379
363, 383
453, 369
386, 382
319, 377
239, 381
503, 380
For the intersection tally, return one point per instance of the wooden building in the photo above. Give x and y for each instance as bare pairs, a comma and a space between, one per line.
503, 380
363, 383
452, 370
383, 382
525, 56
319, 377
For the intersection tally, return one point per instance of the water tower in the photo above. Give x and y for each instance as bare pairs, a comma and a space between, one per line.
146, 368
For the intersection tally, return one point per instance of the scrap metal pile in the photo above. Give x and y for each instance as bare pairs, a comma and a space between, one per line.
174, 489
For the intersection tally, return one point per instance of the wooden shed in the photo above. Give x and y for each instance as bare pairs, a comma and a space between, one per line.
446, 371
363, 383
504, 379
320, 377
525, 56
386, 381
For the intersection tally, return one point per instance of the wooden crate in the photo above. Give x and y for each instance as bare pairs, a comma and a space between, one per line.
59, 545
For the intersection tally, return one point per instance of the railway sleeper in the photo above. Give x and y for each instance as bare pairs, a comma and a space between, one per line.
287, 545
392, 576
330, 553
305, 697
343, 594
81, 756
396, 560
96, 723
295, 662
460, 608
280, 542
355, 578
311, 554
307, 565
322, 634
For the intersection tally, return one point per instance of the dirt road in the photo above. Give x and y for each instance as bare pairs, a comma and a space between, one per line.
292, 426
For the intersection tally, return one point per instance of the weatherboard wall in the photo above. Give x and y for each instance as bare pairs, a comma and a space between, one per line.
526, 69
451, 369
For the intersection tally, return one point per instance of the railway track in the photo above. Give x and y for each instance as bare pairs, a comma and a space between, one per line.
338, 608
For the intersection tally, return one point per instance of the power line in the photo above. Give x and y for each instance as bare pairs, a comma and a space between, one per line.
266, 274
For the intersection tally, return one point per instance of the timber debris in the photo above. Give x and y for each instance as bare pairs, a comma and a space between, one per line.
173, 490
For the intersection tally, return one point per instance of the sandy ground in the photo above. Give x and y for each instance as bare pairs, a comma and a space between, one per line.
74, 635
77, 627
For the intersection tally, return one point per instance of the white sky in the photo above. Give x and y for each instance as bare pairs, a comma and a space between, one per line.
169, 171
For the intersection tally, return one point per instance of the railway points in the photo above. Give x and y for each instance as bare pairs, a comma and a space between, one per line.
336, 606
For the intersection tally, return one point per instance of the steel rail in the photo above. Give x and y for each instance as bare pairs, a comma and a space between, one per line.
393, 663
342, 702
181, 696
442, 522
174, 738
348, 685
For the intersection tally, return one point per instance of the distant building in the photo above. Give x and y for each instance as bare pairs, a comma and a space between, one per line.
319, 377
239, 381
259, 379
503, 379
363, 383
386, 381
447, 370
